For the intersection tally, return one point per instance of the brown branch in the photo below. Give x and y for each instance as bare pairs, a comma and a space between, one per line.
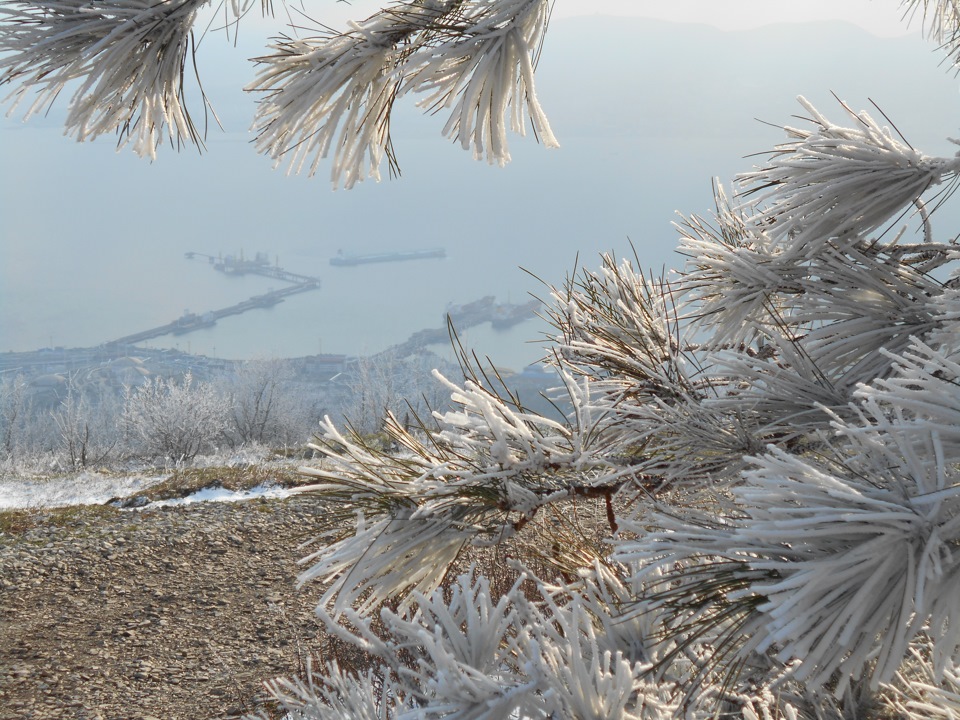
587, 491
611, 515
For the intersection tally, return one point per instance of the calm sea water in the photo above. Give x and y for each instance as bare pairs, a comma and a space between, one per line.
101, 255
92, 241
101, 252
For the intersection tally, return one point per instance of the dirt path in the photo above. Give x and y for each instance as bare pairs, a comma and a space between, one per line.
170, 613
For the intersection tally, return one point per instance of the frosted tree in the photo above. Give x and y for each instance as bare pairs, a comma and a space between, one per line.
14, 408
86, 424
388, 382
263, 404
176, 420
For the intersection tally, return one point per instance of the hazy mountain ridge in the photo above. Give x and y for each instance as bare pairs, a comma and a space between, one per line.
656, 78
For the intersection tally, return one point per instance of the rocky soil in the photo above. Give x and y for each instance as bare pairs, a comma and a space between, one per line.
170, 613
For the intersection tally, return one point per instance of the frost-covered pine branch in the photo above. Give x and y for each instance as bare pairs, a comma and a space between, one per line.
123, 62
773, 432
838, 565
478, 477
334, 94
466, 653
331, 94
921, 691
482, 68
835, 183
941, 23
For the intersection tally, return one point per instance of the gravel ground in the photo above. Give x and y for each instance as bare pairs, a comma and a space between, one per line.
178, 612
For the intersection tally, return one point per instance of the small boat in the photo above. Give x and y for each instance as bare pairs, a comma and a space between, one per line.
343, 259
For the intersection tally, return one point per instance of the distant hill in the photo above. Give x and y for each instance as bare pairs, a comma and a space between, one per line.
606, 76
631, 76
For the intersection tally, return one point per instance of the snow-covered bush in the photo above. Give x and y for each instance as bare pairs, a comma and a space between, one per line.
171, 419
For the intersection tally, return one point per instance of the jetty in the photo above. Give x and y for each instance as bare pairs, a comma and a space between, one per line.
230, 265
501, 316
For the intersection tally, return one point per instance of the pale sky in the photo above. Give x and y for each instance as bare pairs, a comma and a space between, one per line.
880, 17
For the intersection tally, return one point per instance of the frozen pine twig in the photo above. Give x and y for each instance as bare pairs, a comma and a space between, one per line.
333, 95
941, 23
480, 70
123, 61
478, 477
839, 183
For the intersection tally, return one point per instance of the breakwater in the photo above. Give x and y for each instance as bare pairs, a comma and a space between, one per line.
230, 265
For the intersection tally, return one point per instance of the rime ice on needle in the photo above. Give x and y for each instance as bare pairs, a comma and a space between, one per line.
774, 433
126, 59
335, 94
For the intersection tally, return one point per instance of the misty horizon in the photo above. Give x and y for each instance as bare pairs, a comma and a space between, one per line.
94, 241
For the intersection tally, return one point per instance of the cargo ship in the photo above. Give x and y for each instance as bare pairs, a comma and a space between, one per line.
343, 259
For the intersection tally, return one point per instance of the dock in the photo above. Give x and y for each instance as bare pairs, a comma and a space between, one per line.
230, 265
501, 316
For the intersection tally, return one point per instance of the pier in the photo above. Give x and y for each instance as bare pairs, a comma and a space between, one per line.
189, 322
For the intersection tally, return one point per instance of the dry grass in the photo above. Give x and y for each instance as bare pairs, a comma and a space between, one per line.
237, 479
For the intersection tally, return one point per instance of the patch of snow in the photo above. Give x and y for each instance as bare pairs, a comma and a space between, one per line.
82, 489
219, 494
